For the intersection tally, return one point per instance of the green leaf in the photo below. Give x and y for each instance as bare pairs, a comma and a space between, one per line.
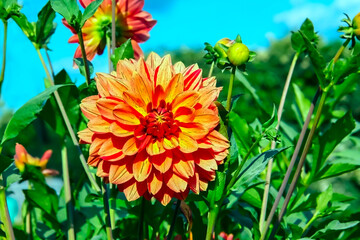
323, 200
27, 113
344, 67
329, 140
69, 97
45, 26
297, 42
125, 51
9, 8
68, 9
216, 191
80, 63
272, 122
317, 60
254, 166
28, 28
334, 225
89, 11
302, 102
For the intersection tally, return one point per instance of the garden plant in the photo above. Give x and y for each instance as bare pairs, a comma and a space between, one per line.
160, 148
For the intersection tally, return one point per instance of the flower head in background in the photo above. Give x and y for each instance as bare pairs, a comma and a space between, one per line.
131, 23
224, 236
22, 158
152, 129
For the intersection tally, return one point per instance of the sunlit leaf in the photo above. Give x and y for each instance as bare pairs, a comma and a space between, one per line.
125, 51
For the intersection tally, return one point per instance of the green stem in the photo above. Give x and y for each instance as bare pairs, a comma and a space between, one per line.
107, 211
341, 49
4, 55
113, 196
50, 65
67, 190
291, 165
108, 46
83, 53
309, 223
172, 227
237, 172
212, 216
141, 219
231, 84
211, 69
28, 225
68, 126
4, 214
273, 143
113, 26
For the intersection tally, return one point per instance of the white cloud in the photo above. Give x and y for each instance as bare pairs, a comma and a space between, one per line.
324, 16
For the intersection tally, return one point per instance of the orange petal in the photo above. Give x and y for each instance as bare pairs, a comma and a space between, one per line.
126, 115
208, 95
193, 80
164, 73
142, 87
108, 85
141, 166
131, 192
194, 183
130, 148
207, 118
95, 146
186, 143
179, 67
174, 87
153, 60
119, 131
86, 135
155, 148
99, 125
203, 185
137, 103
219, 142
162, 162
106, 106
184, 114
108, 148
170, 142
88, 107
119, 174
187, 98
194, 130
155, 182
176, 183
185, 168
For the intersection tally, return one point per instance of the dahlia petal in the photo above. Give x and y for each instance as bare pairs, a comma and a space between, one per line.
132, 7
95, 146
155, 148
144, 70
208, 164
99, 125
207, 118
141, 166
119, 131
119, 174
108, 148
106, 106
109, 85
142, 87
86, 135
165, 73
158, 96
170, 142
208, 95
155, 182
131, 192
162, 162
187, 99
193, 80
85, 3
73, 39
124, 70
153, 60
103, 169
218, 141
93, 161
186, 143
166, 198
137, 103
209, 82
88, 107
185, 169
176, 183
195, 130
194, 183
203, 185
126, 115
140, 22
137, 50
130, 148
184, 114
179, 67
176, 86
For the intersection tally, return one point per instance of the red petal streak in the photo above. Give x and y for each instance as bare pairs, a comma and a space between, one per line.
106, 106
126, 115
162, 162
155, 182
187, 99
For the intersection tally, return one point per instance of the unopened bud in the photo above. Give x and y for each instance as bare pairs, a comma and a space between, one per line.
238, 54
356, 25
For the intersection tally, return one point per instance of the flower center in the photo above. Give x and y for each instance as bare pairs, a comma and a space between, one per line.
159, 122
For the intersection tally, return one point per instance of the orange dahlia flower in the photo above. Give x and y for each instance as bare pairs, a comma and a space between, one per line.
131, 23
22, 158
152, 129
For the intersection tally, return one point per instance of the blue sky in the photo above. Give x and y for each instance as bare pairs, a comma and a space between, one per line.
181, 24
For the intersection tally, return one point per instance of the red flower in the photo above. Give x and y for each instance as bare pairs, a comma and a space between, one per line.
131, 23
152, 129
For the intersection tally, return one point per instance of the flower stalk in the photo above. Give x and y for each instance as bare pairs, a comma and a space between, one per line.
4, 214
231, 84
211, 69
68, 126
105, 191
273, 143
172, 227
83, 53
108, 46
67, 190
4, 55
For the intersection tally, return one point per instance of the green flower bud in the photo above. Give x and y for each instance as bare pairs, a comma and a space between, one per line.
356, 25
221, 46
238, 54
